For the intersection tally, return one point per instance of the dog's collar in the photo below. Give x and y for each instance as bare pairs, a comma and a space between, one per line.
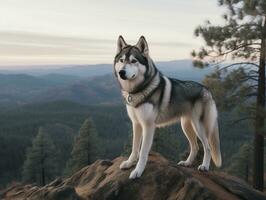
135, 99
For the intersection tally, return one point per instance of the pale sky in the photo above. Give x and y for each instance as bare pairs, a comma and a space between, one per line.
34, 32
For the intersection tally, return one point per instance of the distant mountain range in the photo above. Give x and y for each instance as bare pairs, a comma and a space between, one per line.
23, 89
86, 84
183, 68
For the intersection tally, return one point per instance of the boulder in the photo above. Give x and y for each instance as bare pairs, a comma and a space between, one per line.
161, 180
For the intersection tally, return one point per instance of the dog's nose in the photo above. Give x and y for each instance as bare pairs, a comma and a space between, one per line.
122, 74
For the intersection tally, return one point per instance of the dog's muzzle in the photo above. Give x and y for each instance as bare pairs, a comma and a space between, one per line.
122, 74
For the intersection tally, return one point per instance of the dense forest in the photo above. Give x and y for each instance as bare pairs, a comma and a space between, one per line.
61, 121
74, 100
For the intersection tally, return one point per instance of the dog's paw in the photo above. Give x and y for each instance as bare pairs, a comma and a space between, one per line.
126, 164
203, 168
136, 173
184, 163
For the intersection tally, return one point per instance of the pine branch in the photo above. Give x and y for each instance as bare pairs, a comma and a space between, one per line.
254, 71
253, 94
237, 48
249, 25
242, 119
236, 64
252, 86
247, 77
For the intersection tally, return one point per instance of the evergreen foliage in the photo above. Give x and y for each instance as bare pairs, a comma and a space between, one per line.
40, 166
241, 39
166, 143
241, 162
85, 148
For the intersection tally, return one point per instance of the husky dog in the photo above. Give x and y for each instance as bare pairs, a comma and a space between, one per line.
154, 100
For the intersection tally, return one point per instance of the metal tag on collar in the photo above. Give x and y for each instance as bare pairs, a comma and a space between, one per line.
129, 98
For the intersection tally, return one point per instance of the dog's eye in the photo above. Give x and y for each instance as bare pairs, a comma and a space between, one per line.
133, 61
121, 60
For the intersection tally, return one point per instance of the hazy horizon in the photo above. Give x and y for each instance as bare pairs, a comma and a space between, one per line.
26, 67
62, 32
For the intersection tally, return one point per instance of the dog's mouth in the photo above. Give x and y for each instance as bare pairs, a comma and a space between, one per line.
132, 77
123, 77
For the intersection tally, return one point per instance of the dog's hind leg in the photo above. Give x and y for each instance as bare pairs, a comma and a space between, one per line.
135, 147
189, 132
199, 128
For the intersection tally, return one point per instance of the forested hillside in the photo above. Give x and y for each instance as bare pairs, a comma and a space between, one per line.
59, 104
81, 84
62, 120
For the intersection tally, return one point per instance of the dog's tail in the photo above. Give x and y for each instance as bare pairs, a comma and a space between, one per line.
211, 122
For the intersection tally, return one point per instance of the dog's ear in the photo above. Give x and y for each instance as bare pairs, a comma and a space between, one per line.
142, 45
121, 43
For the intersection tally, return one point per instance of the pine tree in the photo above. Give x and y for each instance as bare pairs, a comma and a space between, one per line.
242, 38
128, 145
241, 162
85, 148
166, 143
40, 165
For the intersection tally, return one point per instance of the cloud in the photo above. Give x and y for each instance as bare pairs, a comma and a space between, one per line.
26, 48
17, 44
85, 31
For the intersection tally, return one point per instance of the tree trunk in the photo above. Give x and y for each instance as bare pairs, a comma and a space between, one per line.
88, 154
259, 124
247, 172
43, 177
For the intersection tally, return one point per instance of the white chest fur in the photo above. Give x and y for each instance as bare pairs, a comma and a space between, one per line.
143, 114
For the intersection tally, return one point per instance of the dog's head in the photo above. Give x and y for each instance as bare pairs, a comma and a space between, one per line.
131, 63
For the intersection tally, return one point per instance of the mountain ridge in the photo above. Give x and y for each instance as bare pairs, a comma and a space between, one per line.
101, 69
85, 85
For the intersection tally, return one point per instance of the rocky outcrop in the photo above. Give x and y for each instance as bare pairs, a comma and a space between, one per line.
161, 180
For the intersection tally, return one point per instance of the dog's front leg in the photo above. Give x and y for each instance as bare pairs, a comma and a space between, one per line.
147, 134
135, 147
